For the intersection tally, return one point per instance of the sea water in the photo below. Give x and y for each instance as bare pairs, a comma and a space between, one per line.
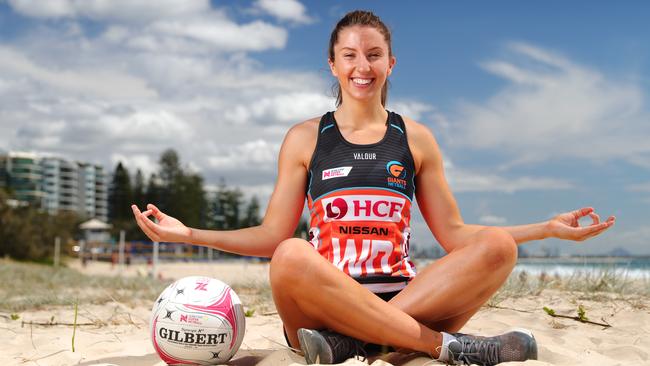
630, 267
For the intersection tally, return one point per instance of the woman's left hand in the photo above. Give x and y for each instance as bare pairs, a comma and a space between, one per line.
566, 225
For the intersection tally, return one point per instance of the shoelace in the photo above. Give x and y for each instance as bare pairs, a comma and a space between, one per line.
478, 351
344, 347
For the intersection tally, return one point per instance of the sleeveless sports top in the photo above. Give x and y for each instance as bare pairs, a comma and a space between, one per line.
359, 198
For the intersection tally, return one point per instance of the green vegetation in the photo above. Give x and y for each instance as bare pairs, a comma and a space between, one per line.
179, 192
582, 313
33, 286
27, 233
600, 285
582, 317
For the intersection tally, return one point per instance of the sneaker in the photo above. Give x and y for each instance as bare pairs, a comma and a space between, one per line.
516, 345
327, 347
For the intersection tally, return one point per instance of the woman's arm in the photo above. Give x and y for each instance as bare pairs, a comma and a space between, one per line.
563, 226
282, 214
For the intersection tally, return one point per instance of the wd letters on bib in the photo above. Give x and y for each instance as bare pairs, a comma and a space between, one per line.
359, 198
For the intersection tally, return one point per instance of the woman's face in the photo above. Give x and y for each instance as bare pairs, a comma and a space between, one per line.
361, 62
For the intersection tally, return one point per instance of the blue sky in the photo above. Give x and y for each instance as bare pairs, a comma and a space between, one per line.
539, 108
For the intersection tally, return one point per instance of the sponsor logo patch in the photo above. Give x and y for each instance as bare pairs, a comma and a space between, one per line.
397, 173
363, 208
364, 230
336, 172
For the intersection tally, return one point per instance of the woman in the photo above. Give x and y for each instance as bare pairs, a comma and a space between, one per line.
353, 281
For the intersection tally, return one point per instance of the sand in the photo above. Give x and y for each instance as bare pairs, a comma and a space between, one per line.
118, 334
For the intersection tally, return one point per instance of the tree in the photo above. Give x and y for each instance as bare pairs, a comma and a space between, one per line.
232, 208
182, 194
252, 217
154, 191
120, 195
28, 234
139, 190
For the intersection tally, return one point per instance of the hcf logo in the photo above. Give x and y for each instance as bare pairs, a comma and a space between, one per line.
363, 208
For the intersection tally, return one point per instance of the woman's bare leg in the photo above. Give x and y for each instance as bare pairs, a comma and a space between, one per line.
447, 293
311, 293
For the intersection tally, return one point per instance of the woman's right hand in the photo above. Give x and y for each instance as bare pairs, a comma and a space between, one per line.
168, 229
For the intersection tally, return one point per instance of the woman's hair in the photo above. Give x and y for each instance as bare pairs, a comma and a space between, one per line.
362, 18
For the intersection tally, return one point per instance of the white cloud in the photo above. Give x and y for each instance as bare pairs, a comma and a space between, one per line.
219, 32
412, 109
161, 26
115, 10
99, 82
286, 10
286, 108
555, 108
133, 162
150, 126
492, 220
252, 155
463, 180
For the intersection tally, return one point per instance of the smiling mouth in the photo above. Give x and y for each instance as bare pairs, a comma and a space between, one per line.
362, 81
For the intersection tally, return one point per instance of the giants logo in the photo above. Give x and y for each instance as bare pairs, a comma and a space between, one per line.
397, 174
396, 169
363, 208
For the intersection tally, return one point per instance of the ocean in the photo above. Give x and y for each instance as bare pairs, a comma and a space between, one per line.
630, 267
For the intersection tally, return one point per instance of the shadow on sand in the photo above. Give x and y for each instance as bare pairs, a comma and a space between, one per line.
262, 357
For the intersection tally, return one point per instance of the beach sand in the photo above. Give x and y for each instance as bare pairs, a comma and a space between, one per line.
118, 333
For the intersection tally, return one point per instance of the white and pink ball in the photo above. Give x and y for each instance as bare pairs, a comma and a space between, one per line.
197, 320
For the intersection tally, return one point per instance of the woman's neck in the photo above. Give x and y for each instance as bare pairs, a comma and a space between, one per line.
357, 115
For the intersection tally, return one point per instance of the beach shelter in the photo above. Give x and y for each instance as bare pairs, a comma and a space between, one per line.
96, 230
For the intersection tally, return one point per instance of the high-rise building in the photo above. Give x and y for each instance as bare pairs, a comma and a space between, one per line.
61, 183
93, 191
56, 184
22, 176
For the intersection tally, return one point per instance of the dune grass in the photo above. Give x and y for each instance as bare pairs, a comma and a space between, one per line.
602, 285
32, 286
29, 286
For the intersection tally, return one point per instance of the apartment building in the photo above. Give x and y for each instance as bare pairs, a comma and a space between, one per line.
21, 174
56, 184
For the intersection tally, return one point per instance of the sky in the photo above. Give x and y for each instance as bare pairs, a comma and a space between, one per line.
539, 108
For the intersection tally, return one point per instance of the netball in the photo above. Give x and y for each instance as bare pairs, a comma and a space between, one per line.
197, 320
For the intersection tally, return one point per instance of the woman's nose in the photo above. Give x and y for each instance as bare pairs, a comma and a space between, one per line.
363, 65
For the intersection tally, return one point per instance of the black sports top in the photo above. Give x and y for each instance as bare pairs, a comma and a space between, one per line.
359, 197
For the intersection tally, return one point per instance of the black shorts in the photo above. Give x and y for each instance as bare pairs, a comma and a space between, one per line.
386, 296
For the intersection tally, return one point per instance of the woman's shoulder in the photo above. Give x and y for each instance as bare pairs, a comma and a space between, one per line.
417, 132
307, 129
300, 140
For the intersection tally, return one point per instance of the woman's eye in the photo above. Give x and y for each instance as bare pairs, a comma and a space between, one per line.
348, 55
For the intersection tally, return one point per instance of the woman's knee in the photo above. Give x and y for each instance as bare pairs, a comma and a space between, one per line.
500, 249
287, 260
